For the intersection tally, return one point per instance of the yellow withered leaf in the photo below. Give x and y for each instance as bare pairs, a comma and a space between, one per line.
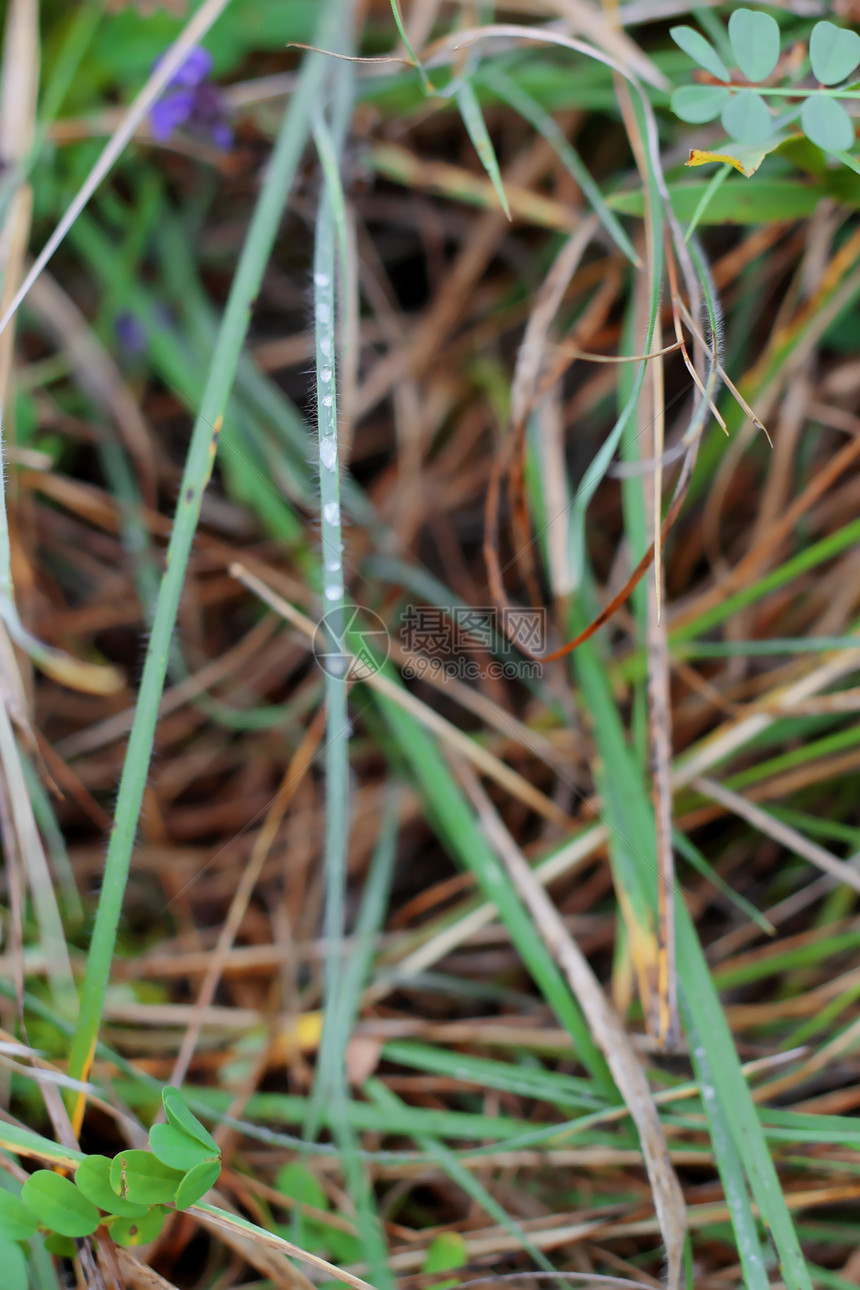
698, 157
745, 157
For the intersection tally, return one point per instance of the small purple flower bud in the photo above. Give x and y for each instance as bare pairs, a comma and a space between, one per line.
133, 336
195, 69
222, 136
191, 102
130, 333
171, 111
197, 66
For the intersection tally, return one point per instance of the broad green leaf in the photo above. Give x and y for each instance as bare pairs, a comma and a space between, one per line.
699, 103
17, 1222
197, 1182
851, 163
827, 123
755, 43
473, 119
138, 1231
297, 1182
700, 50
746, 118
737, 202
142, 1178
342, 1247
182, 1118
834, 53
175, 1148
58, 1204
93, 1179
63, 1246
446, 1251
311, 1236
14, 1265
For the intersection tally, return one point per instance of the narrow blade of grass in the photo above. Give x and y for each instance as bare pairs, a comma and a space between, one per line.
628, 810
255, 254
472, 1186
473, 119
498, 80
458, 828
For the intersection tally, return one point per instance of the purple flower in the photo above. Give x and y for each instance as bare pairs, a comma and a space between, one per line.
130, 333
191, 102
173, 109
195, 69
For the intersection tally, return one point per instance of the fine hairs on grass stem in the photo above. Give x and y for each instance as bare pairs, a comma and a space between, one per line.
198, 468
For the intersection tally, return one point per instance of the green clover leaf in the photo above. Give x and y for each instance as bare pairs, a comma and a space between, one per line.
827, 123
142, 1178
58, 1204
699, 103
746, 118
700, 50
93, 1179
755, 43
834, 52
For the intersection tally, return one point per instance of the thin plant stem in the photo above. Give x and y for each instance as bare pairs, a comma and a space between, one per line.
198, 467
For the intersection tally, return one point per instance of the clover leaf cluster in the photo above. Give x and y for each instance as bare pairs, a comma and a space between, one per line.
128, 1195
834, 53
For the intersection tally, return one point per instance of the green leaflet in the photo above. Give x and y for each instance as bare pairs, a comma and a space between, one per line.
58, 1204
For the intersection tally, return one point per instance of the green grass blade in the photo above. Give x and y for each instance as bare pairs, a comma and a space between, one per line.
395, 9
465, 840
525, 1081
507, 89
705, 200
339, 1001
720, 1065
337, 719
473, 120
692, 853
459, 1174
731, 1172
360, 1190
255, 254
371, 914
628, 811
